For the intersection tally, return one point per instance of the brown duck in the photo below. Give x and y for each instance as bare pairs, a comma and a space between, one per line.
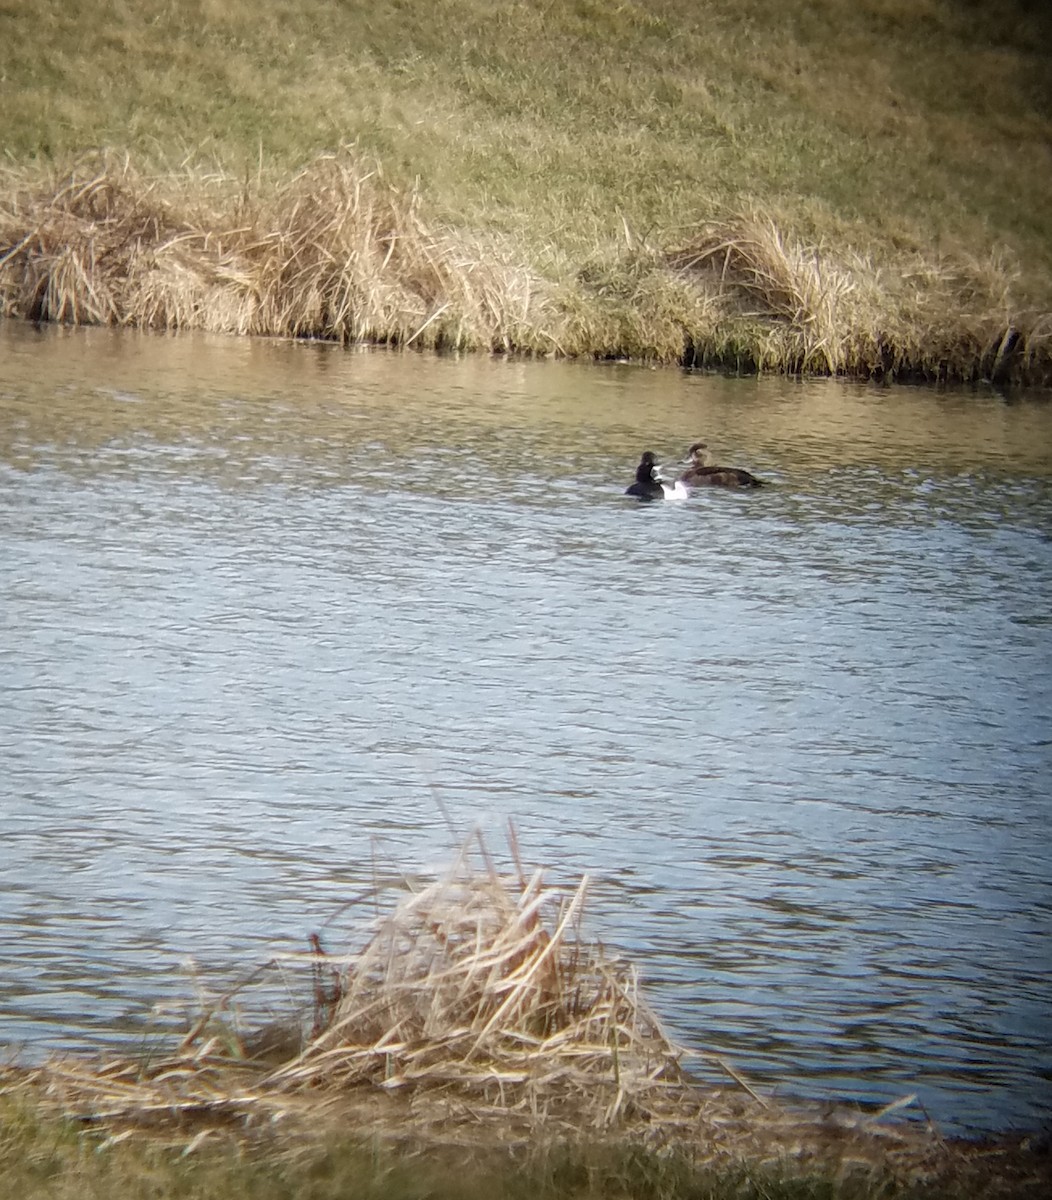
703, 472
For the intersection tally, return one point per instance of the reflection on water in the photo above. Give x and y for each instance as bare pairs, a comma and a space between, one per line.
267, 608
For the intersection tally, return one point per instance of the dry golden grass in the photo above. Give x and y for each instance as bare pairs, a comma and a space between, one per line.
877, 160
799, 308
332, 252
336, 252
757, 273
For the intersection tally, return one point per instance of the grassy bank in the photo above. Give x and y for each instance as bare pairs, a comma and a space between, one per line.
44, 1159
829, 186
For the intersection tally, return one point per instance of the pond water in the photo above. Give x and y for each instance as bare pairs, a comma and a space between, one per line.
270, 610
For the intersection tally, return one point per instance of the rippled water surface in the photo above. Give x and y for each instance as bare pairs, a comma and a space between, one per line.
268, 609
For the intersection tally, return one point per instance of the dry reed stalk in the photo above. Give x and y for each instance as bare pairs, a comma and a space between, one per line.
484, 983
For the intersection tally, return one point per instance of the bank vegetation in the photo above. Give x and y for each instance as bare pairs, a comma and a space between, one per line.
830, 187
472, 1041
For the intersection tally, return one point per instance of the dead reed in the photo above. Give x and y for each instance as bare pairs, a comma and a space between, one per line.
781, 305
759, 274
332, 252
484, 983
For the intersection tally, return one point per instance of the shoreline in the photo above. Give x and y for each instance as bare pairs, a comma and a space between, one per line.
776, 186
102, 1124
336, 253
475, 1023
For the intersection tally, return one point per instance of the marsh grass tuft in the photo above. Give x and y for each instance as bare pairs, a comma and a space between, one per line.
333, 252
485, 983
757, 273
788, 306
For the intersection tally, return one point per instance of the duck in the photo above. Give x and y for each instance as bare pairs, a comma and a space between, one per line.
647, 485
703, 472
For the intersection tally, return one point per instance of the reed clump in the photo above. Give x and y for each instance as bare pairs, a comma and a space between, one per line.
332, 252
780, 304
485, 983
758, 274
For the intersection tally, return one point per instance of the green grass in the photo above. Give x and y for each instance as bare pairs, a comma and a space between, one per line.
893, 130
45, 1159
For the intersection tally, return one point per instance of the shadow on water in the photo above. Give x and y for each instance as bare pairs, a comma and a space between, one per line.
264, 603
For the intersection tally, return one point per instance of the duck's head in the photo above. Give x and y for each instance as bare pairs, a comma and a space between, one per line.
699, 455
645, 470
